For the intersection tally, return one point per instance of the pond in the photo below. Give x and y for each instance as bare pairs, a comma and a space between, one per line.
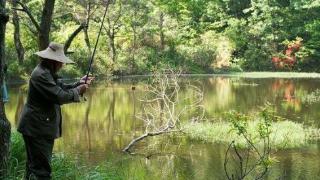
98, 129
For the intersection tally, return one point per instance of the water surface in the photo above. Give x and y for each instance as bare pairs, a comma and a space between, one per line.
96, 130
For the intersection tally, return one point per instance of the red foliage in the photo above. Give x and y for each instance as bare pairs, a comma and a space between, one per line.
289, 58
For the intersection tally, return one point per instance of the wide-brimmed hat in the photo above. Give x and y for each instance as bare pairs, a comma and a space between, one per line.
54, 52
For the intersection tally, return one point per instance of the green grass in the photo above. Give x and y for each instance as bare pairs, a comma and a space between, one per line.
285, 134
275, 75
263, 75
68, 167
64, 167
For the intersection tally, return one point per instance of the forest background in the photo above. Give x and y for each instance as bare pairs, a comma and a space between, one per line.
197, 36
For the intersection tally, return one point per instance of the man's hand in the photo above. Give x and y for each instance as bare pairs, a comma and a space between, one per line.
83, 79
82, 88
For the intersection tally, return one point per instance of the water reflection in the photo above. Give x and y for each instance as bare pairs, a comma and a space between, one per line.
86, 125
20, 103
288, 92
100, 127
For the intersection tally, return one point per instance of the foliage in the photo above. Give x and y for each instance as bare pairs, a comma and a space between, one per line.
284, 134
190, 35
287, 59
63, 166
17, 157
253, 160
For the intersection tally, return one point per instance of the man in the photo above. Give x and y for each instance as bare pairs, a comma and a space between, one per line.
40, 121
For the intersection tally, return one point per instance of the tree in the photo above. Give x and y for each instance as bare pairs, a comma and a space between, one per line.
113, 27
137, 18
81, 11
17, 40
5, 128
85, 30
43, 28
45, 24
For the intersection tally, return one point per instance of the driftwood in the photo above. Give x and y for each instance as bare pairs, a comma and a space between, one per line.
149, 134
161, 107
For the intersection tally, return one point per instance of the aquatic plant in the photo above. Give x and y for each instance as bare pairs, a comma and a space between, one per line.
311, 98
256, 156
284, 134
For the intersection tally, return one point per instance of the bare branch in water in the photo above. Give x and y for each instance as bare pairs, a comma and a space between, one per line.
163, 108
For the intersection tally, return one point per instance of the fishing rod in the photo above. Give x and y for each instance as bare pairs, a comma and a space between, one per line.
95, 47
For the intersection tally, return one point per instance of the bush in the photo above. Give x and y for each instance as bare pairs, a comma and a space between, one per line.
17, 157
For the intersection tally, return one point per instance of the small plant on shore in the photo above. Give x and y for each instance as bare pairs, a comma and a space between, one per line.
253, 159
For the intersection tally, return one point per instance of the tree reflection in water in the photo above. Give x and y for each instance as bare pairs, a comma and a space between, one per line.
86, 125
287, 88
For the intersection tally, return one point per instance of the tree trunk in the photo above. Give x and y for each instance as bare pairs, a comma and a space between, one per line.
112, 30
5, 128
87, 40
85, 30
134, 43
17, 39
46, 20
161, 30
134, 47
112, 47
72, 36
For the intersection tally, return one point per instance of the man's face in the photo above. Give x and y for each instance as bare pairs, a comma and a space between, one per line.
58, 65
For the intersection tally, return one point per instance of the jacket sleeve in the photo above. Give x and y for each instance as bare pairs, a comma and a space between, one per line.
67, 86
49, 89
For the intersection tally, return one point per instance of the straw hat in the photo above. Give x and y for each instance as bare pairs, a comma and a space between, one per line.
54, 52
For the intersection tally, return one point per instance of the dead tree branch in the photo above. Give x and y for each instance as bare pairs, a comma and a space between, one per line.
163, 108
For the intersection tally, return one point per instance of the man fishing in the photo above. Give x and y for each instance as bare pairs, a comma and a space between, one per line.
40, 122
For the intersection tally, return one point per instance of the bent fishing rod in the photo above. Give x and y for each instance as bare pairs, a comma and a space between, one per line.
95, 47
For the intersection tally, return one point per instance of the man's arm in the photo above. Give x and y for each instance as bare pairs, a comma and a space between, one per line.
67, 86
76, 84
47, 87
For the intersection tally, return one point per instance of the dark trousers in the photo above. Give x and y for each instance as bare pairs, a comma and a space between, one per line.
39, 152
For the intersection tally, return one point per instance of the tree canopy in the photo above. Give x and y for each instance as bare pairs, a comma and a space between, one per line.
197, 36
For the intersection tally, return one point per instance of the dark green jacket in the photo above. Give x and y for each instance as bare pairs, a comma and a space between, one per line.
41, 115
